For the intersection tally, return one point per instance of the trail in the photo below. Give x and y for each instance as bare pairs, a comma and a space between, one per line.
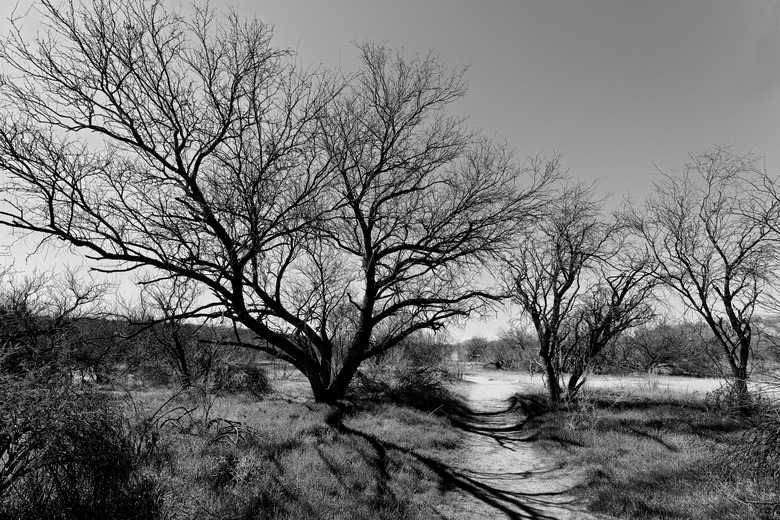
509, 478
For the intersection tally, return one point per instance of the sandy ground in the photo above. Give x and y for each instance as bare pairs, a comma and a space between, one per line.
504, 475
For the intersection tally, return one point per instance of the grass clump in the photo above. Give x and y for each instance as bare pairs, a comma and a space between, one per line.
234, 379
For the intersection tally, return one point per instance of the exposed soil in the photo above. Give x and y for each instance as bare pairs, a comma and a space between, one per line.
508, 476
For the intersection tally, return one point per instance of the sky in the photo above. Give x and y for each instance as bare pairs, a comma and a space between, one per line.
619, 87
616, 86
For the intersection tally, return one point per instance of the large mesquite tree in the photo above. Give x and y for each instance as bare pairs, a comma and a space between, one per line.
330, 217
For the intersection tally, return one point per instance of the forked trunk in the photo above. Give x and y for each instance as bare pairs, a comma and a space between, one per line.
329, 390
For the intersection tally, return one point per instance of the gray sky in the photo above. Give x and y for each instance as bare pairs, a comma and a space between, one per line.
613, 85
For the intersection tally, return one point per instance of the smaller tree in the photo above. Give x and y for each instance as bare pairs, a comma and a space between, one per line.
617, 301
167, 308
96, 346
475, 348
709, 228
515, 348
581, 282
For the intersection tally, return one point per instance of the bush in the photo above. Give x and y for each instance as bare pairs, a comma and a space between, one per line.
422, 387
233, 379
758, 453
64, 454
727, 401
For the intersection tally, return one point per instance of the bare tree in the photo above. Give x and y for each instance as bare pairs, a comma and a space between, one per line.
618, 301
708, 227
97, 346
581, 283
421, 205
40, 315
331, 220
164, 309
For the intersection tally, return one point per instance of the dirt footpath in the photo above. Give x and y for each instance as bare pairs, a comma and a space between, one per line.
503, 475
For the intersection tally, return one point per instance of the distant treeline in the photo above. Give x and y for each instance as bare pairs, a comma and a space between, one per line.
665, 347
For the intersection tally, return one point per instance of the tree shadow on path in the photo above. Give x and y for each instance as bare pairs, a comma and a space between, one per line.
493, 488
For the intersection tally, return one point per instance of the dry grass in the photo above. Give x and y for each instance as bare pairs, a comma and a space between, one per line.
281, 457
657, 452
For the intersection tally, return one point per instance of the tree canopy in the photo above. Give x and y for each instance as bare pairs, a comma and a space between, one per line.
332, 215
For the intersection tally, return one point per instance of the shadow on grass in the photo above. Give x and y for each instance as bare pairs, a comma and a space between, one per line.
512, 504
653, 459
691, 491
639, 416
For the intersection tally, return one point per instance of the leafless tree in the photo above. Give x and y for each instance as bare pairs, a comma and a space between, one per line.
581, 282
421, 204
331, 219
162, 316
40, 314
618, 301
709, 229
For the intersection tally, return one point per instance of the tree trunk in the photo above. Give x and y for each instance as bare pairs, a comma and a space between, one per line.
318, 387
741, 388
335, 389
552, 381
573, 386
330, 394
739, 372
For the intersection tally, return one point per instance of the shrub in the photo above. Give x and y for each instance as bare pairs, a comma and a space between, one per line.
422, 387
233, 379
758, 453
64, 454
728, 401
